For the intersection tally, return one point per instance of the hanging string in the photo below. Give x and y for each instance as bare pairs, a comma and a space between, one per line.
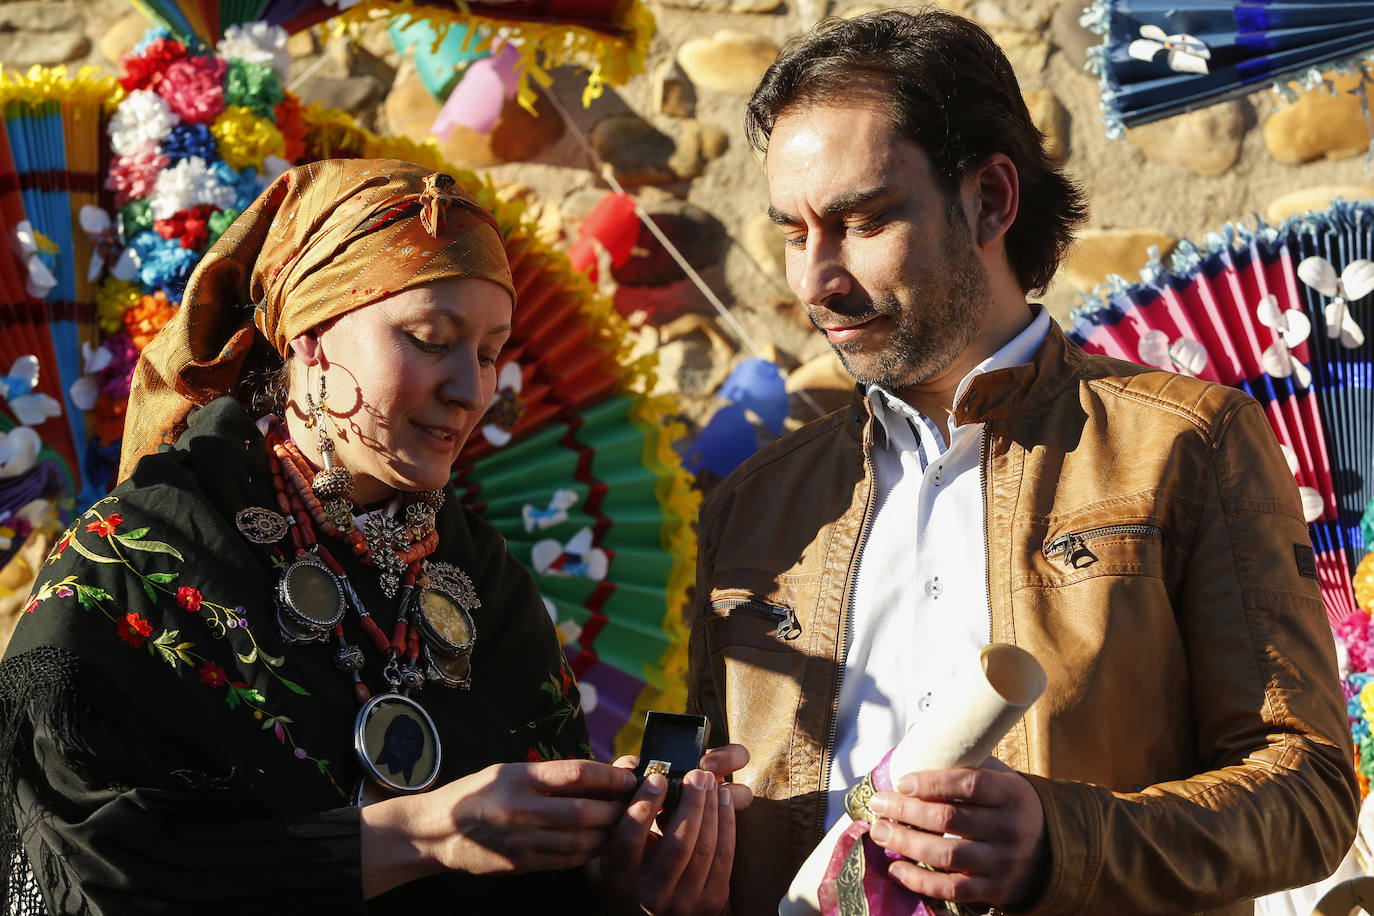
745, 339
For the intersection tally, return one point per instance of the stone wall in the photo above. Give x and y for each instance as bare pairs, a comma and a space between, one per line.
673, 137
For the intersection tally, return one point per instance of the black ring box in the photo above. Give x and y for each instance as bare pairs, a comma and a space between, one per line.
676, 741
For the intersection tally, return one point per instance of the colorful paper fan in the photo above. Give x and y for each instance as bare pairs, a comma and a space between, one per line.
1254, 313
610, 37
1160, 57
51, 160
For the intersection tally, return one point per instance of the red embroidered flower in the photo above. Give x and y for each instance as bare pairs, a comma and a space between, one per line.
134, 630
213, 675
33, 603
567, 677
188, 598
191, 226
533, 755
105, 526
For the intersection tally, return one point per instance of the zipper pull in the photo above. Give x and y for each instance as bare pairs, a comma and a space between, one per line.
1073, 550
789, 627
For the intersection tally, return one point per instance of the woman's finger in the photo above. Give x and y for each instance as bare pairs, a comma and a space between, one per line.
572, 813
582, 778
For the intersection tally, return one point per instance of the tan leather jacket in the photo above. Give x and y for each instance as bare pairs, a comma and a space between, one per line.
1192, 749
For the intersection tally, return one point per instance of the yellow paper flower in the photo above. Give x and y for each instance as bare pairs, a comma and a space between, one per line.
112, 300
1364, 583
245, 139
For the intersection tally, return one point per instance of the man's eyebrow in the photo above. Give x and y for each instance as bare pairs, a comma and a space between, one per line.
844, 203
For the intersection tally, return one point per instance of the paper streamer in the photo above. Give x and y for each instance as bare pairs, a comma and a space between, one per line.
983, 702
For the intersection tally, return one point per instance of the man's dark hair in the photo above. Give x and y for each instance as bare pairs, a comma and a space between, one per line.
952, 92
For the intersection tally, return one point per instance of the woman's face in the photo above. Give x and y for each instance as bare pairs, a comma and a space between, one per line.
408, 378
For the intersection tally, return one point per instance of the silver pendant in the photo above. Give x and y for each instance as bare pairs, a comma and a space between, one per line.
261, 526
452, 580
310, 601
396, 744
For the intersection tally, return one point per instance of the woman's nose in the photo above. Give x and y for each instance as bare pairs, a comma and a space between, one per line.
462, 384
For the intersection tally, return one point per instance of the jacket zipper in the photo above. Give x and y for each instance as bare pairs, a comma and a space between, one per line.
1073, 549
828, 749
789, 627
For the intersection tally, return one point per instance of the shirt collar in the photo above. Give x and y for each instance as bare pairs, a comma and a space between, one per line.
895, 415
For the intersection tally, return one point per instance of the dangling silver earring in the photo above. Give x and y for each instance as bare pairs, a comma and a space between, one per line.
334, 484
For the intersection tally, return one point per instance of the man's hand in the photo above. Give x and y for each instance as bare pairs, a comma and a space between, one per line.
681, 865
997, 852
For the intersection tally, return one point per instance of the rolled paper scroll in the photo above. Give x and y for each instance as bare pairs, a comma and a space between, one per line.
960, 729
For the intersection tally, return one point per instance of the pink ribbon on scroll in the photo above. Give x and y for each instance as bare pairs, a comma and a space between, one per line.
856, 880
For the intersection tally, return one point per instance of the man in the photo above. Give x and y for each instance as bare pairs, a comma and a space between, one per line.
1137, 531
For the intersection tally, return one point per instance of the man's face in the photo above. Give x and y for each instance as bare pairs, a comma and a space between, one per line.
880, 254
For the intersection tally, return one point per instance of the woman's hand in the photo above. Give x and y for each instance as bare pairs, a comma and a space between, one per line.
684, 868
512, 817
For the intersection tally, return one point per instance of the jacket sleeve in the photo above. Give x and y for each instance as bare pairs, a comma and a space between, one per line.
1277, 803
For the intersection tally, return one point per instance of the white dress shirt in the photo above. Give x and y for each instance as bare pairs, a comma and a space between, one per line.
920, 595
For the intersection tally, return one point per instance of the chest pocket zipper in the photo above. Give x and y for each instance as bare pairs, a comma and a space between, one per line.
789, 627
1072, 549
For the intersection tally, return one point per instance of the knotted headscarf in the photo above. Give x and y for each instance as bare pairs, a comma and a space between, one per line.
321, 240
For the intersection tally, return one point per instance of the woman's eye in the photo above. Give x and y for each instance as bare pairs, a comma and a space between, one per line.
487, 359
427, 346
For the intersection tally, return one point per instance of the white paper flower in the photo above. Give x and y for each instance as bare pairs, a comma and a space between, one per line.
258, 43
1291, 327
86, 390
21, 378
18, 451
143, 119
186, 184
1184, 356
1312, 503
272, 168
1354, 282
26, 242
1187, 54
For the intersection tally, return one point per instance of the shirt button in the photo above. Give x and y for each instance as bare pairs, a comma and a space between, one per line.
939, 475
925, 702
934, 588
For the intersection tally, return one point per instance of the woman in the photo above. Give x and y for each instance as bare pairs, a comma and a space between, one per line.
242, 675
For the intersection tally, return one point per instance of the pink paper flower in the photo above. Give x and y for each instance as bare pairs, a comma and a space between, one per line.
194, 88
132, 177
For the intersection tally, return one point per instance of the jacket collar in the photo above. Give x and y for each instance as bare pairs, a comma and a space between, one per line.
1002, 393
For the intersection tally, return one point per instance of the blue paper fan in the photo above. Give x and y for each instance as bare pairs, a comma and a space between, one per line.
1161, 58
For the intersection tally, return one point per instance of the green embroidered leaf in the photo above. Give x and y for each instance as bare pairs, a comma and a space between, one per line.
134, 535
148, 589
251, 657
231, 698
88, 596
148, 546
295, 688
160, 578
321, 764
276, 661
252, 693
75, 544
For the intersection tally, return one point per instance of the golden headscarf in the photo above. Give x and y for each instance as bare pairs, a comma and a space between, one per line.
321, 240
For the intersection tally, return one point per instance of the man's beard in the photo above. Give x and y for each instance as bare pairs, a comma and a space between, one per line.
943, 317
